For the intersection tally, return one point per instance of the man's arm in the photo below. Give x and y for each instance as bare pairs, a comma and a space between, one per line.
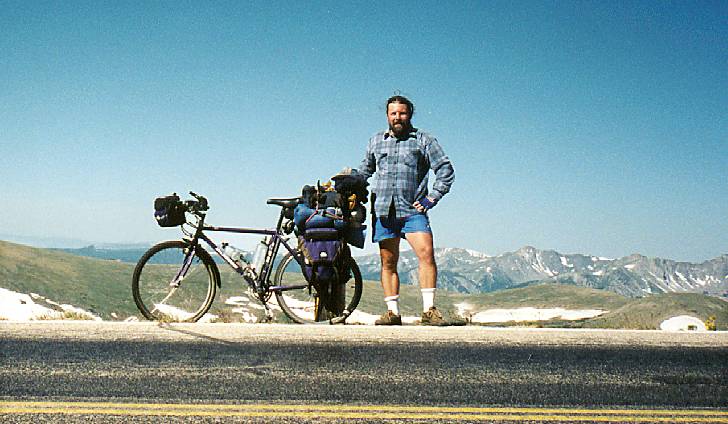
369, 165
442, 167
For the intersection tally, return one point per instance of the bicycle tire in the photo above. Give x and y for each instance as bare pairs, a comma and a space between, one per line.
155, 297
303, 307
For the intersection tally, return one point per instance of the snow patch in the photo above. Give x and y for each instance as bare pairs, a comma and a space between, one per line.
464, 309
630, 266
477, 254
244, 303
208, 317
20, 307
237, 300
683, 323
16, 306
79, 311
598, 273
565, 262
177, 314
245, 315
533, 314
539, 266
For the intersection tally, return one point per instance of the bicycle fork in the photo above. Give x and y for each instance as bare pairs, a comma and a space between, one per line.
178, 277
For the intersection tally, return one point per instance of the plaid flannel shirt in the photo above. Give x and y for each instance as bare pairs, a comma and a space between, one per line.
402, 168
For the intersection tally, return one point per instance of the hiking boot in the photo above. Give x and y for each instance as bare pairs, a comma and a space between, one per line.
389, 318
433, 317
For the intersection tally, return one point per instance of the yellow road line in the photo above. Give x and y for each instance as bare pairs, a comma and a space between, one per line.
371, 415
365, 412
351, 407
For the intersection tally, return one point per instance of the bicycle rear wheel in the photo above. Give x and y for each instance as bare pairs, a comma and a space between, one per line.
302, 302
171, 283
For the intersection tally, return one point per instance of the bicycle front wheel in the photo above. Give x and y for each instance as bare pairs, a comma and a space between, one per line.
302, 302
173, 282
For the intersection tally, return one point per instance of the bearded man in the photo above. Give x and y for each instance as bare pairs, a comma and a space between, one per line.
402, 157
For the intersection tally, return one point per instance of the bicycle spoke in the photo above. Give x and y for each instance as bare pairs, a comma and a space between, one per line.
169, 292
164, 301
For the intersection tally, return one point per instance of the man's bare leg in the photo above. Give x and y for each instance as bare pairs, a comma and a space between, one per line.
422, 245
389, 253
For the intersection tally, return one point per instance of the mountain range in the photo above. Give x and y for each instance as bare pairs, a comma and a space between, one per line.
468, 271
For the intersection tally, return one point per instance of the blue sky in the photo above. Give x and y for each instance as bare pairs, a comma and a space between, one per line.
585, 127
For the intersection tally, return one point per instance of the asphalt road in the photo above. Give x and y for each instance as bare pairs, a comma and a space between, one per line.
123, 372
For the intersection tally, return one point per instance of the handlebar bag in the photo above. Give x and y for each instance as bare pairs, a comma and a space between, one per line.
169, 211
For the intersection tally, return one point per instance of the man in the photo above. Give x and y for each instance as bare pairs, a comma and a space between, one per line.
402, 157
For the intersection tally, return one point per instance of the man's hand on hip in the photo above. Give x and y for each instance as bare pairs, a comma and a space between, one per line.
424, 204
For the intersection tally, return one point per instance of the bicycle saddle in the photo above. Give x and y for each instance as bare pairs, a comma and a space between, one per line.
286, 203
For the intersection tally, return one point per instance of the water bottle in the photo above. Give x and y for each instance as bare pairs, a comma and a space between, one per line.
259, 256
234, 253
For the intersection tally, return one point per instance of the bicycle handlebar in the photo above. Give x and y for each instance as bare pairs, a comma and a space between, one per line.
198, 205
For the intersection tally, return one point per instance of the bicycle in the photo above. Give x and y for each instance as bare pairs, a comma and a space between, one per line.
185, 292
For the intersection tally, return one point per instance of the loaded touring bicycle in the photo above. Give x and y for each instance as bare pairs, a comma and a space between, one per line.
315, 281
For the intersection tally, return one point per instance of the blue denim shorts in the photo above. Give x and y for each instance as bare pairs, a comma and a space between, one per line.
386, 227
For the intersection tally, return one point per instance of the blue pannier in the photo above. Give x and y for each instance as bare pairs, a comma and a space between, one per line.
321, 248
305, 217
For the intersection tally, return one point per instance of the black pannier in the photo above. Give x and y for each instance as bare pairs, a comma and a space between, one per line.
169, 211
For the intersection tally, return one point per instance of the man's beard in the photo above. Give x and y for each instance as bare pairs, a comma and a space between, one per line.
399, 128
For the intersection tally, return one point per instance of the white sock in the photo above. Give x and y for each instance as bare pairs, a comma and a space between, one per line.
428, 299
392, 303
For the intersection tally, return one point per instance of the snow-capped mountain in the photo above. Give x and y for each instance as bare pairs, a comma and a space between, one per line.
468, 271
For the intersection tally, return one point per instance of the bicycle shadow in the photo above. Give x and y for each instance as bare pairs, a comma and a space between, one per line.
258, 364
170, 327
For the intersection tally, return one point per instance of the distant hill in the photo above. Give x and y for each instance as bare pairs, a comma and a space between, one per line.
129, 254
646, 313
99, 286
103, 287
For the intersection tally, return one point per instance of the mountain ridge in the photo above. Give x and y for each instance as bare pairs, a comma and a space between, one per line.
470, 271
634, 275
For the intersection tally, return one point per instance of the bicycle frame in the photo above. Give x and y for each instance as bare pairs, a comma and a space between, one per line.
260, 283
325, 297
